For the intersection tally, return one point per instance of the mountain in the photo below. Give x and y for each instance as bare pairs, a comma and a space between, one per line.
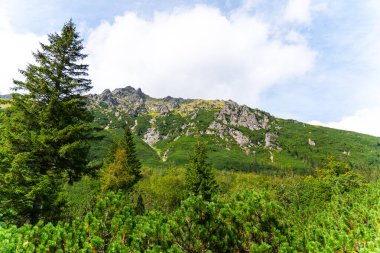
7, 96
238, 137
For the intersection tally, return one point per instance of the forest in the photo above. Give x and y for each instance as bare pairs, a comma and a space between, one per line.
67, 186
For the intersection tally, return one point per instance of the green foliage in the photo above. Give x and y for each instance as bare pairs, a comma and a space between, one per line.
170, 122
290, 215
47, 129
142, 125
197, 226
81, 197
124, 171
294, 136
183, 126
204, 118
348, 222
339, 176
247, 222
132, 161
162, 189
334, 166
147, 155
310, 198
103, 149
200, 179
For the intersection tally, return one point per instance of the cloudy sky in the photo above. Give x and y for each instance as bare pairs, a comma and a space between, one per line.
315, 61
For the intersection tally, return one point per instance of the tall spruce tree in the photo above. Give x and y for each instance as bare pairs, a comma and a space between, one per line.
47, 129
133, 163
125, 169
200, 179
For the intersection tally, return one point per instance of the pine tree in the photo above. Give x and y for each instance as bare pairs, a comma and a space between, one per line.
125, 169
199, 177
47, 128
140, 208
133, 163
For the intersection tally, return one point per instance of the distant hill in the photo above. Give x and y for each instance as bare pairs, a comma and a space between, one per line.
7, 96
238, 137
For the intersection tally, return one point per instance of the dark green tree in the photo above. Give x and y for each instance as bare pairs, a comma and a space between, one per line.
200, 179
125, 169
133, 163
47, 129
140, 207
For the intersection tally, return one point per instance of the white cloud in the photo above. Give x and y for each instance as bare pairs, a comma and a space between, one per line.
363, 121
194, 52
16, 51
247, 6
295, 37
298, 11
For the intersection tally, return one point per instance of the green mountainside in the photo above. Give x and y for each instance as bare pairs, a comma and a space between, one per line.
172, 174
238, 137
280, 185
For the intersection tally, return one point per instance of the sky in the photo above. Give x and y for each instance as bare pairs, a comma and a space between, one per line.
315, 61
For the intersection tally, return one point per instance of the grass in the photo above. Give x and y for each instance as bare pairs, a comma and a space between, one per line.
195, 116
294, 136
196, 104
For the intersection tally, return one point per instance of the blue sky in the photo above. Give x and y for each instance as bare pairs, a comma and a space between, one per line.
315, 61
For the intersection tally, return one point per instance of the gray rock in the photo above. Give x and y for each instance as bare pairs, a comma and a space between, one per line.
228, 118
239, 137
270, 138
152, 136
237, 115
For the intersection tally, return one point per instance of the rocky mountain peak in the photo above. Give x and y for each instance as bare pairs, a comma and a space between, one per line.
129, 92
172, 118
127, 99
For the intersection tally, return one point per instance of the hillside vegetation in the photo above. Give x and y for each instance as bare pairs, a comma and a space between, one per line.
121, 171
238, 137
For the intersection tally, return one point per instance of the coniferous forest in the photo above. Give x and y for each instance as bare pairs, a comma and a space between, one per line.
73, 181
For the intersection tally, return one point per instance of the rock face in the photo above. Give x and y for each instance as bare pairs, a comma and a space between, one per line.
237, 115
133, 101
239, 137
234, 115
270, 139
126, 99
224, 132
247, 127
152, 136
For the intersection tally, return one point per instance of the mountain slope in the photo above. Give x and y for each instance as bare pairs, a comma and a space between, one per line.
238, 137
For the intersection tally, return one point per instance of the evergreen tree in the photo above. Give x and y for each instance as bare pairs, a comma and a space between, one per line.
125, 169
47, 128
199, 177
133, 163
140, 208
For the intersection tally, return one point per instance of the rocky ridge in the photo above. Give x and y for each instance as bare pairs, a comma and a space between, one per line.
176, 117
237, 136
